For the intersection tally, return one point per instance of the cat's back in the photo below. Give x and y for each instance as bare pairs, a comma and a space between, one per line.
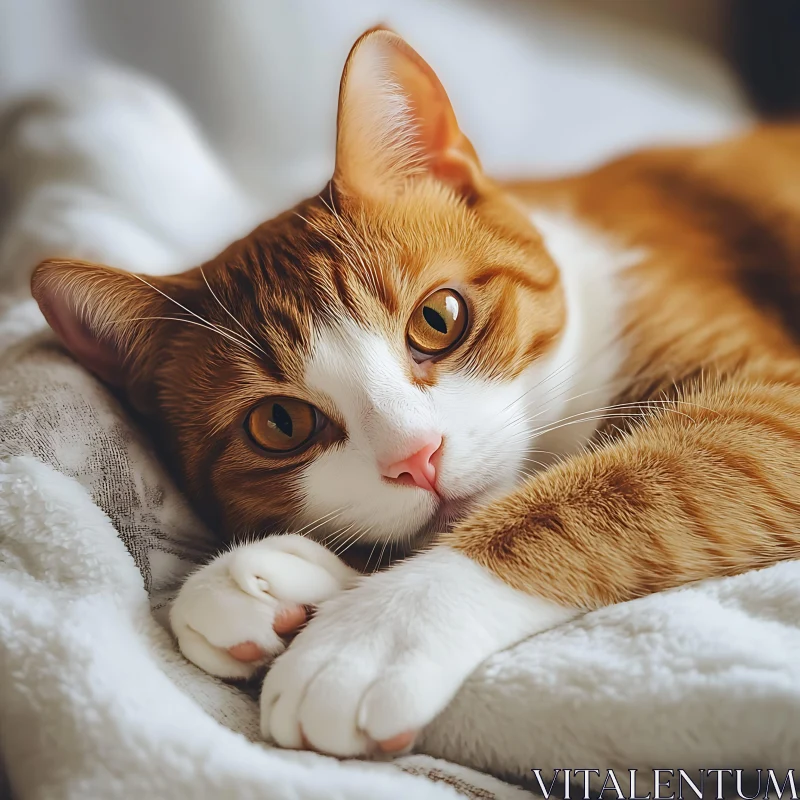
718, 227
641, 196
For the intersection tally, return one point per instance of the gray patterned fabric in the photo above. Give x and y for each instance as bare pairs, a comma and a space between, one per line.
74, 424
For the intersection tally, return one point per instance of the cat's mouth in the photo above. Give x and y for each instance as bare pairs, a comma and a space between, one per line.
451, 512
448, 514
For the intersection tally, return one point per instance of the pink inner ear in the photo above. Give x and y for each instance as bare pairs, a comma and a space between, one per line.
98, 354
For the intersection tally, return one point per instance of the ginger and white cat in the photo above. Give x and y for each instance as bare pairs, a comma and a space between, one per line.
563, 394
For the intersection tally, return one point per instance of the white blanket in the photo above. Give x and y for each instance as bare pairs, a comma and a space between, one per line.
94, 699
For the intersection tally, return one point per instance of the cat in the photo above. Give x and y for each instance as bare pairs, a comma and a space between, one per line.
548, 396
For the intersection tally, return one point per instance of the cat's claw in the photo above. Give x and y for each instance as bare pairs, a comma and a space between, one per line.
231, 617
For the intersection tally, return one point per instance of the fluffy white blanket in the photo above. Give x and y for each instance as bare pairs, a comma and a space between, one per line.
94, 699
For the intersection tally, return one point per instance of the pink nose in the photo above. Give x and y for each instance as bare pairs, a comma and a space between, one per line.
418, 469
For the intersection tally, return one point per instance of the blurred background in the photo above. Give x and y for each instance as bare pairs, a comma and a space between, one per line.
540, 86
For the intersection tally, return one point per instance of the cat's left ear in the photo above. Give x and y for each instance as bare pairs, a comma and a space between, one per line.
396, 122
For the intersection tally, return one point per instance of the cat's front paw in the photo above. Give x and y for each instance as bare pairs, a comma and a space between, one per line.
231, 616
380, 661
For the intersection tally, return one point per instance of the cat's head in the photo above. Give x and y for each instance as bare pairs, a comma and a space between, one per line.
366, 362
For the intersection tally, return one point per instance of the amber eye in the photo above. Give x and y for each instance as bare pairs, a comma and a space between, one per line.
282, 424
438, 323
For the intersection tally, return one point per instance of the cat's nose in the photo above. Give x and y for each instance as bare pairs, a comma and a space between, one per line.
418, 469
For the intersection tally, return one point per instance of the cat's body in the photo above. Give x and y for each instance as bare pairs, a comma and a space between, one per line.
578, 391
708, 321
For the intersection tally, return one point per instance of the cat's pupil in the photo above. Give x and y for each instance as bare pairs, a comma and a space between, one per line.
282, 420
434, 319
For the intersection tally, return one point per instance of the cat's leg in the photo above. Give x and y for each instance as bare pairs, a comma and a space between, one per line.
707, 486
231, 616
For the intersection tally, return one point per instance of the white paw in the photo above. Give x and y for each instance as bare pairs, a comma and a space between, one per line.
380, 661
247, 598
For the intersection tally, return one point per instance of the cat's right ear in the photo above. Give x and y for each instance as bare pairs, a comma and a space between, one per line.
396, 122
107, 318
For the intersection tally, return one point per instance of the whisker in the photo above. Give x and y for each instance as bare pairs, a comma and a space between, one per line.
535, 461
556, 426
546, 378
189, 322
633, 404
371, 553
316, 527
343, 544
321, 520
219, 329
605, 387
655, 405
247, 333
332, 541
352, 541
380, 555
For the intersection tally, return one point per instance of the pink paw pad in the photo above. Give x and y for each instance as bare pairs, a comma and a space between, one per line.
246, 652
399, 743
289, 620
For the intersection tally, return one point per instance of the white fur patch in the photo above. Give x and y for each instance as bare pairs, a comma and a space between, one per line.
582, 374
483, 424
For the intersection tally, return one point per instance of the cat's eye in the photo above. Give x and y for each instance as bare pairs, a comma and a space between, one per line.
282, 424
438, 323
